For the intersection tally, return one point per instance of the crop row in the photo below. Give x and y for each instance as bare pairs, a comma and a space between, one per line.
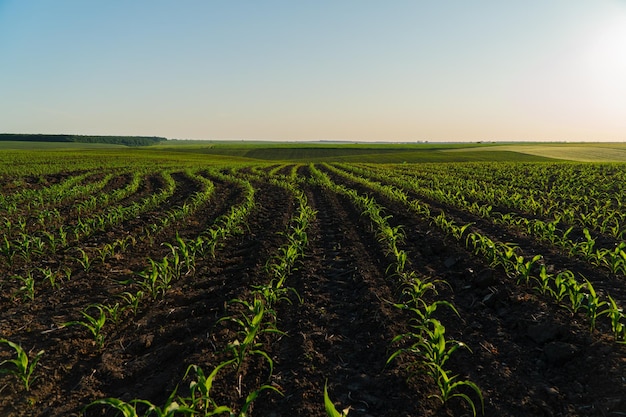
572, 292
425, 342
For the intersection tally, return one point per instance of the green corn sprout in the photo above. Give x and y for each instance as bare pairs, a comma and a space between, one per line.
50, 276
592, 304
250, 398
200, 388
94, 324
562, 283
252, 323
84, 260
129, 409
174, 259
433, 345
448, 388
188, 252
114, 312
157, 278
132, 300
524, 268
331, 411
7, 250
575, 294
616, 315
27, 290
22, 367
543, 281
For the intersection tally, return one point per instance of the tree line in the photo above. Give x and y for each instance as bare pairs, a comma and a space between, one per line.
114, 140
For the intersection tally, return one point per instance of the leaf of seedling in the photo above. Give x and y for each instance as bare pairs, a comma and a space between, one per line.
94, 324
331, 411
23, 366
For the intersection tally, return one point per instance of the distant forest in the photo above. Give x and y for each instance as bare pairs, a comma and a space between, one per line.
114, 140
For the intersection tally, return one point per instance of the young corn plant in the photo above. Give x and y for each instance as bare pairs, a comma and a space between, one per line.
251, 323
592, 304
331, 411
21, 367
430, 350
129, 409
7, 250
84, 260
201, 400
94, 324
132, 300
157, 278
27, 291
433, 345
114, 312
51, 277
562, 283
524, 268
272, 293
585, 248
543, 281
449, 388
616, 315
576, 295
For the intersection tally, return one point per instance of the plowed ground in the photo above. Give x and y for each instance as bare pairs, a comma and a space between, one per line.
338, 329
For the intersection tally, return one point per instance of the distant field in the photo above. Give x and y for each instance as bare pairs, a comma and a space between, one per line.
349, 152
309, 152
587, 152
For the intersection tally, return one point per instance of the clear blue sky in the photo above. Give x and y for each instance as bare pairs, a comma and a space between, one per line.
397, 70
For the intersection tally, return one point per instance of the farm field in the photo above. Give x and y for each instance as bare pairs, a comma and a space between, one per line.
214, 283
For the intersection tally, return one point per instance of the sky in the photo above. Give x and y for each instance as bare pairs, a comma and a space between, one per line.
356, 70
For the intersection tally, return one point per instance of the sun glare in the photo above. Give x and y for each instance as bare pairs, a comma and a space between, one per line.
605, 57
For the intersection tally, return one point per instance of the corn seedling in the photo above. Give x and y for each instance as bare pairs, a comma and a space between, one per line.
201, 402
7, 250
331, 411
576, 295
27, 290
543, 281
524, 268
200, 387
272, 293
592, 304
616, 315
21, 367
132, 300
448, 388
129, 409
562, 282
433, 345
51, 277
114, 312
94, 324
157, 278
84, 260
251, 323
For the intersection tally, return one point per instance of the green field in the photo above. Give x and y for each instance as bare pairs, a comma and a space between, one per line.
404, 152
304, 152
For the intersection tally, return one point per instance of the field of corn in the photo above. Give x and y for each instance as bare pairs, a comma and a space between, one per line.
169, 286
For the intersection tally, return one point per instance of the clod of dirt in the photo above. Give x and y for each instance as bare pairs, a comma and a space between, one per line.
490, 299
545, 332
557, 353
485, 279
